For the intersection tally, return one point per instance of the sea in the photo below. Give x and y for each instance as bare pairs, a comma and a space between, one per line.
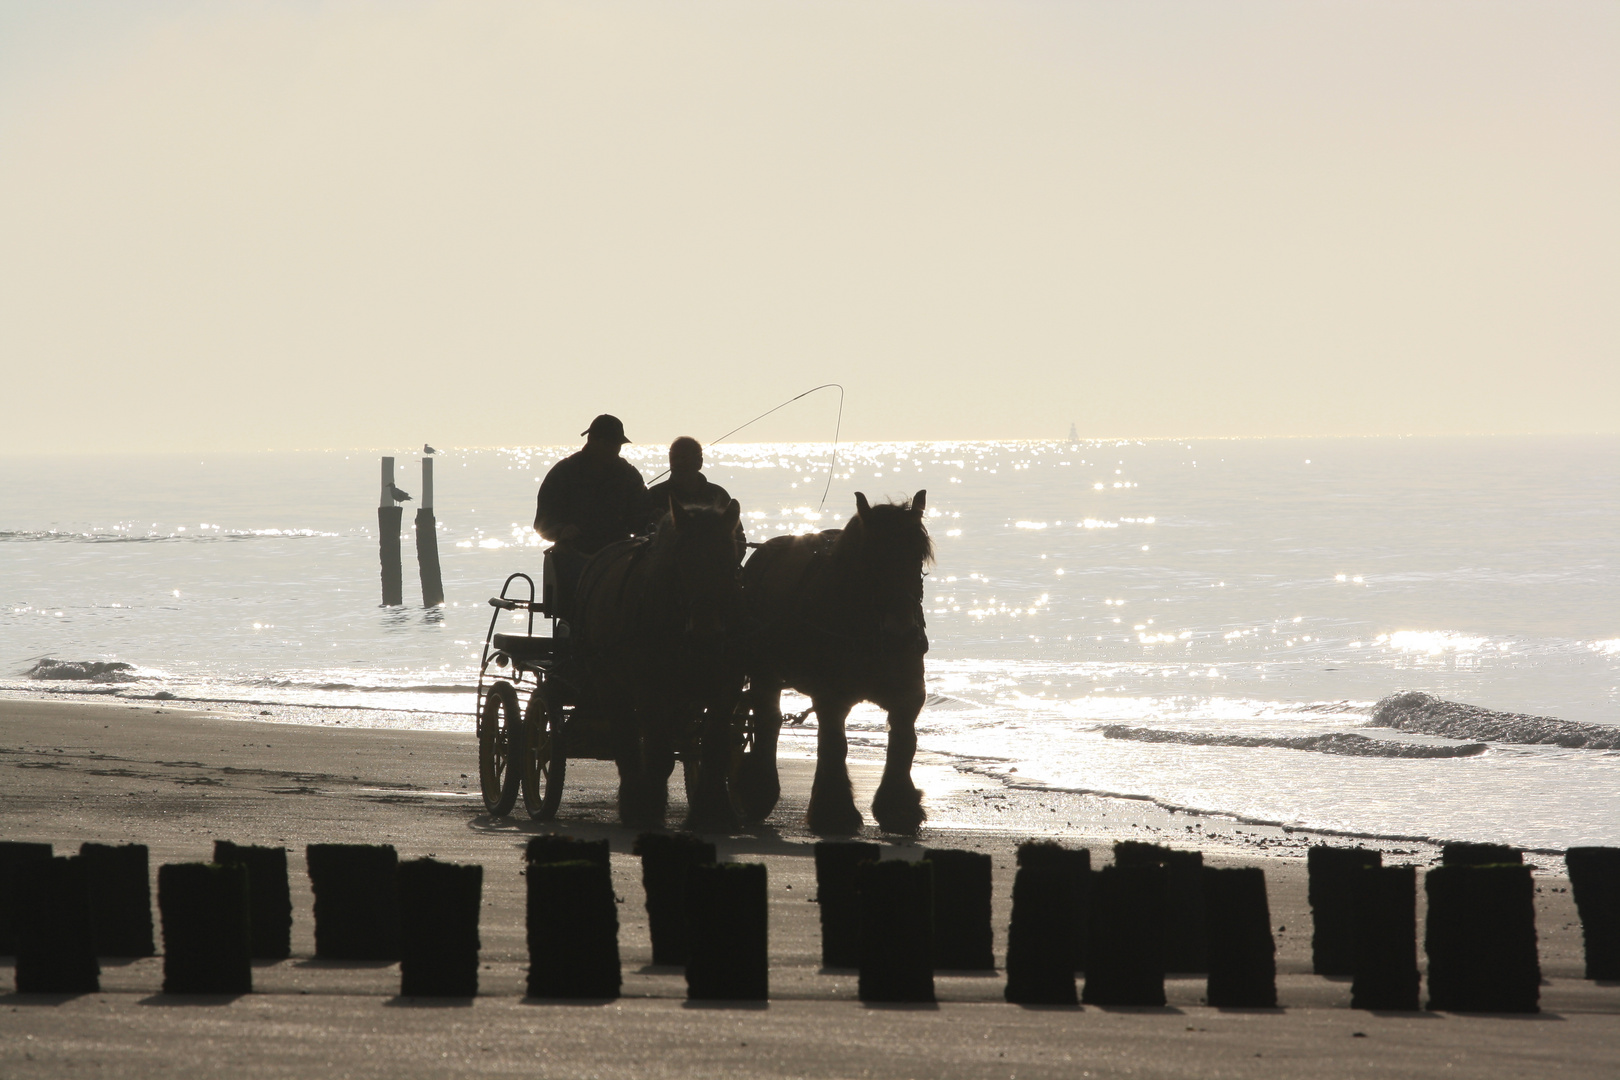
1207, 624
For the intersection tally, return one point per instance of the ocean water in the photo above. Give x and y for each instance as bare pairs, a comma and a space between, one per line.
1208, 624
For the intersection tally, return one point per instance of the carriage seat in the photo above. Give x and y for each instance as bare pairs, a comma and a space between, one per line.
528, 650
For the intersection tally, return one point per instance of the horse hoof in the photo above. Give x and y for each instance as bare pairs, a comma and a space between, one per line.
712, 822
899, 813
758, 789
642, 821
757, 807
639, 812
840, 822
712, 813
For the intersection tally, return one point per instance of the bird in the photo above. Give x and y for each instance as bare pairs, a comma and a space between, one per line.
426, 449
398, 494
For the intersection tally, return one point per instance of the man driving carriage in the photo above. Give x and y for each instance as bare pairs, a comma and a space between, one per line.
587, 501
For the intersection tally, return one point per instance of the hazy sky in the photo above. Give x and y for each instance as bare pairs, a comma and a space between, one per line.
233, 225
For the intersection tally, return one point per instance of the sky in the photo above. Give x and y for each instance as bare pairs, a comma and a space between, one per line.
239, 226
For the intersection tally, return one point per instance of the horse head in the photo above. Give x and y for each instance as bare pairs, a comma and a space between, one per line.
701, 546
891, 548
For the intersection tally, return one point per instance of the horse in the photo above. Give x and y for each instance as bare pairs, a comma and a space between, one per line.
839, 617
652, 621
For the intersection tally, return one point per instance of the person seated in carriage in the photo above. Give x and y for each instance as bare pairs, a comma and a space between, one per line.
686, 484
587, 501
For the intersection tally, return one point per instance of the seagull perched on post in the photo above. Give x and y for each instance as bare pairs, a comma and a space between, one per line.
397, 494
426, 449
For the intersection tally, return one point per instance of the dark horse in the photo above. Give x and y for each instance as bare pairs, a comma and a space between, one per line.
652, 619
840, 618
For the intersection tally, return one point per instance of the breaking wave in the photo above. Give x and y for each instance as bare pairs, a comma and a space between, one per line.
1426, 714
82, 670
1335, 743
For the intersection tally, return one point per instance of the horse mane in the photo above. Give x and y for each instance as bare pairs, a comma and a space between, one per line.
698, 516
704, 522
887, 529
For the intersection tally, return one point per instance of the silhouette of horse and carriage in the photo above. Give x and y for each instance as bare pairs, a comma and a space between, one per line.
677, 648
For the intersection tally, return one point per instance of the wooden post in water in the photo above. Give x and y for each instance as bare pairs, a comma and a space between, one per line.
427, 541
388, 522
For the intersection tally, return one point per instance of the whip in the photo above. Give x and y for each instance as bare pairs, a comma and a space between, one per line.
837, 430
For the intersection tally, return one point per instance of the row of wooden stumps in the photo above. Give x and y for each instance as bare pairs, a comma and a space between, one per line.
59, 914
1480, 934
1155, 910
390, 517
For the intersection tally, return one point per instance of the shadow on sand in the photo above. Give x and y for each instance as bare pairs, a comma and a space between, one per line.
15, 999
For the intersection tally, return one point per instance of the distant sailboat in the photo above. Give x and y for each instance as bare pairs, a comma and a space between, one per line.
1074, 436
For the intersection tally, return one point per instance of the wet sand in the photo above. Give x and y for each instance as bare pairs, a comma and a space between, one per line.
73, 772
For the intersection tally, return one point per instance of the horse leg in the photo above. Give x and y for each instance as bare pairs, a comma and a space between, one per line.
660, 762
758, 784
620, 713
627, 755
898, 804
832, 800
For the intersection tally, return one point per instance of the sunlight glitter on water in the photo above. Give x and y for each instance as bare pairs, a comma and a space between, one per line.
1434, 642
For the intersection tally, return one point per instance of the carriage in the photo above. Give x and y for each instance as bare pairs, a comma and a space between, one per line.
534, 710
682, 657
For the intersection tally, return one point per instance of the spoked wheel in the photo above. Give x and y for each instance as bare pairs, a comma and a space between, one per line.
741, 743
753, 775
691, 757
742, 740
500, 748
544, 763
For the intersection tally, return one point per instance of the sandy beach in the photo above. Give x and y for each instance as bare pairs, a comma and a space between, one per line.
177, 780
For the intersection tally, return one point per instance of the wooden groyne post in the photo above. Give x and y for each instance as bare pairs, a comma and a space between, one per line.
427, 541
388, 523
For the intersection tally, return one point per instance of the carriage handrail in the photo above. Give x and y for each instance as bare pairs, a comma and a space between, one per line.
504, 603
517, 605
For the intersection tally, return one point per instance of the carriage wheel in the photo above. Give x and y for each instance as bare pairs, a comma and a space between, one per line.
742, 743
691, 755
690, 771
500, 748
544, 763
742, 738
753, 765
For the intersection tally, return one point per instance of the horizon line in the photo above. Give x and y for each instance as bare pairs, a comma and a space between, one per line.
1060, 441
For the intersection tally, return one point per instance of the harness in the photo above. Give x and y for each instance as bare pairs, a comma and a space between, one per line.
876, 637
626, 552
615, 552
